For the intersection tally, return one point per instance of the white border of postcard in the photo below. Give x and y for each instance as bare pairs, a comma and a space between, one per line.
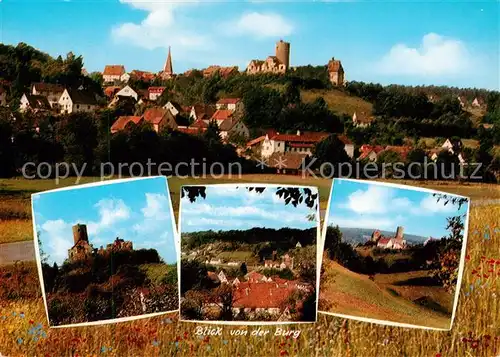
460, 267
39, 262
319, 252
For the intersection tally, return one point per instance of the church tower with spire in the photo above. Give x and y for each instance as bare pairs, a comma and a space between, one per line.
168, 71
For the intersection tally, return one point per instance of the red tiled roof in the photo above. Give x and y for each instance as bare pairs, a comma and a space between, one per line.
222, 114
256, 140
227, 124
199, 124
226, 101
113, 70
111, 91
154, 115
313, 137
384, 241
48, 87
368, 148
287, 160
301, 145
142, 75
202, 109
122, 122
156, 89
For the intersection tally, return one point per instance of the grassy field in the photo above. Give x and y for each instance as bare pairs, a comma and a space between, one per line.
338, 101
475, 332
356, 295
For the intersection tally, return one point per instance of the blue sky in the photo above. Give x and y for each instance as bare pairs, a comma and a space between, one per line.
234, 207
138, 211
364, 205
450, 42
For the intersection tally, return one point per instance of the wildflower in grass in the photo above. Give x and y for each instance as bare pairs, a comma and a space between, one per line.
19, 341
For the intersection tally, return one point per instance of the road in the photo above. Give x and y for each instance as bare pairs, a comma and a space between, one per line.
18, 251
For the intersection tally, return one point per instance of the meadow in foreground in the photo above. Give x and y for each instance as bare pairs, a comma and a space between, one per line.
475, 331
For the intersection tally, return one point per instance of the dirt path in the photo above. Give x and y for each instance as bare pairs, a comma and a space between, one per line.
17, 251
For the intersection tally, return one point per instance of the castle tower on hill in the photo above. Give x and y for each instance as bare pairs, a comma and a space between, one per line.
81, 249
283, 53
80, 233
399, 233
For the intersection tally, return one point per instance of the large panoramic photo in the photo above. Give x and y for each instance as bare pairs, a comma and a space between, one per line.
393, 254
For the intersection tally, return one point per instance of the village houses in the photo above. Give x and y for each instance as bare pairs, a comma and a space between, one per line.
361, 120
259, 294
34, 103
231, 104
76, 101
113, 73
52, 92
301, 142
155, 92
453, 147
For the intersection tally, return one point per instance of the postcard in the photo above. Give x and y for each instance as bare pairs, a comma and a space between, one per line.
106, 252
249, 253
393, 254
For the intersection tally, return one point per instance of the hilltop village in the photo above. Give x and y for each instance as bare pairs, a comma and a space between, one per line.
272, 111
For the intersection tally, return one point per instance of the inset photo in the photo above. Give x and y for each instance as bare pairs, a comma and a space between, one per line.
249, 253
106, 251
393, 254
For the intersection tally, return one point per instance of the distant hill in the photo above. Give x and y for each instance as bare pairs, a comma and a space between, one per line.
362, 235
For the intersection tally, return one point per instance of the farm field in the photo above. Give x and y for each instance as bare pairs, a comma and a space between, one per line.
475, 330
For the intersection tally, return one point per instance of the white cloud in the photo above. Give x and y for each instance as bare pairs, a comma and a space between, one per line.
157, 206
56, 237
436, 56
430, 205
159, 29
110, 212
374, 200
261, 25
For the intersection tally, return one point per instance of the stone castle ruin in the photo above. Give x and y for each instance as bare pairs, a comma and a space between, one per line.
82, 249
396, 242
